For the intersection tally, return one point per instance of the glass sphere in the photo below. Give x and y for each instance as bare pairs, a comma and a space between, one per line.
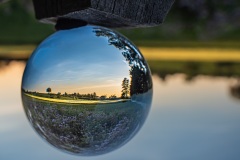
87, 90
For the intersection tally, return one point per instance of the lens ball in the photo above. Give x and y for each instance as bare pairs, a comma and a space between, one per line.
87, 90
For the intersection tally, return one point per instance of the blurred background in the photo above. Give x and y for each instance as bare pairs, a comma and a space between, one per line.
195, 61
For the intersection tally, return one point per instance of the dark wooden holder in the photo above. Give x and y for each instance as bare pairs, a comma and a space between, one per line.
108, 13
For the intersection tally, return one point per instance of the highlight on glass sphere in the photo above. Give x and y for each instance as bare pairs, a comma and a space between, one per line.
87, 90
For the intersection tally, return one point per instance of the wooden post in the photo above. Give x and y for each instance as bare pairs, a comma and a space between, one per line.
108, 13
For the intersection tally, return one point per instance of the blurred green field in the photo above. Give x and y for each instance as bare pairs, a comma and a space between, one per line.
16, 52
192, 54
182, 51
189, 44
191, 60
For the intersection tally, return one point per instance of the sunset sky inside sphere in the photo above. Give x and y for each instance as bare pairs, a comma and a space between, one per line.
77, 62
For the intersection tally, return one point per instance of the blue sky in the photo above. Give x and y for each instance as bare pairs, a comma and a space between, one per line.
76, 61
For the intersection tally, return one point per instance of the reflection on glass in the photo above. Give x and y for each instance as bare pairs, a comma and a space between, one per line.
87, 90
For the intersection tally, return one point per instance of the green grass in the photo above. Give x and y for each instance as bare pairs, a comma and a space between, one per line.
72, 100
84, 129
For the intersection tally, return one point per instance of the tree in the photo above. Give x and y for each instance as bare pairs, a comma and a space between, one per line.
140, 82
113, 96
94, 95
139, 73
48, 90
125, 88
59, 95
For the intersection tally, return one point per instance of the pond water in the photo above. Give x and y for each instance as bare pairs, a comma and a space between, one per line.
190, 119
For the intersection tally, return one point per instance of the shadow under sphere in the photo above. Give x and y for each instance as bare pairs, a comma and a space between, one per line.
87, 90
